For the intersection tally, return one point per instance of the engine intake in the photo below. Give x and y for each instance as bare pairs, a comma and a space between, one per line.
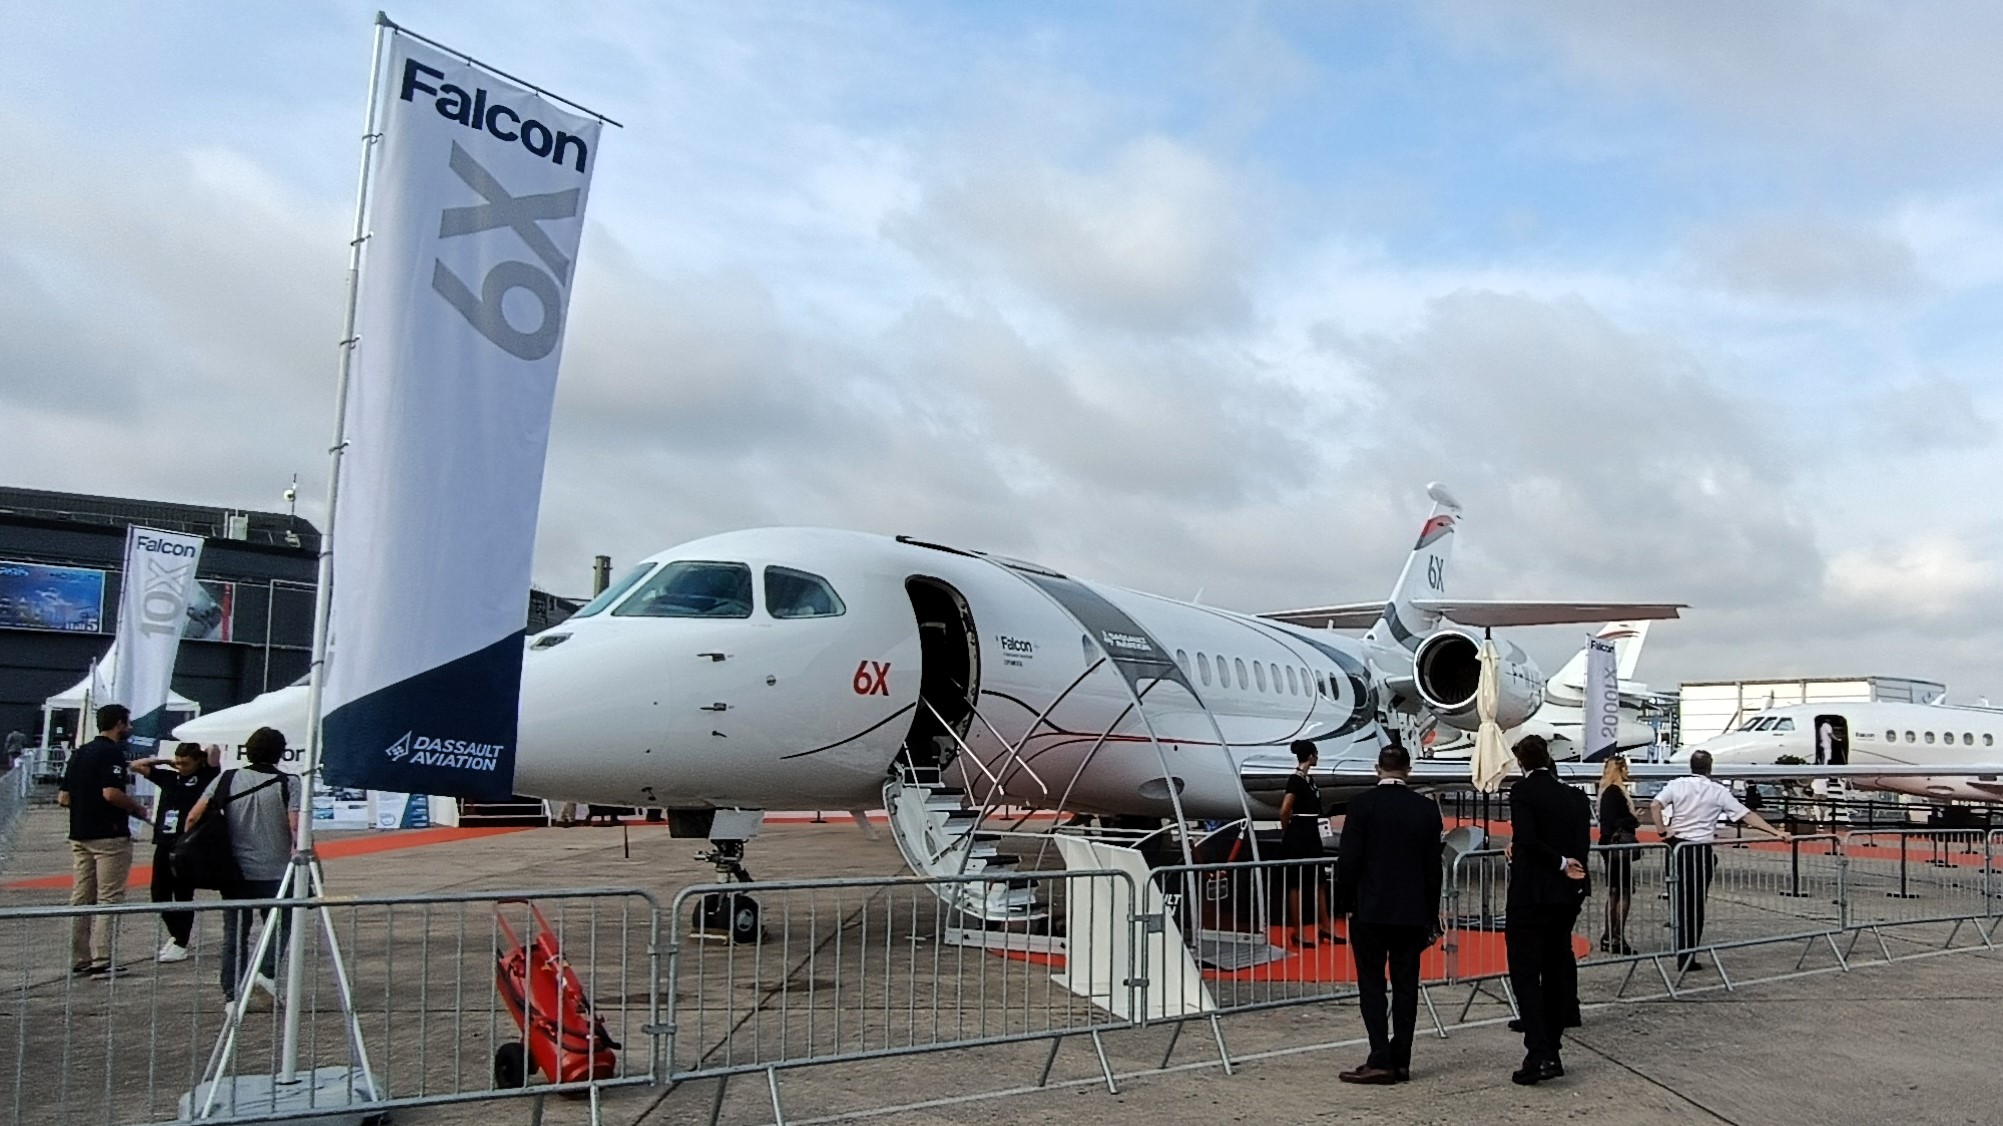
1447, 667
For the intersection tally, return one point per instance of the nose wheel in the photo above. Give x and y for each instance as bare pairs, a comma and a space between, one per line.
728, 916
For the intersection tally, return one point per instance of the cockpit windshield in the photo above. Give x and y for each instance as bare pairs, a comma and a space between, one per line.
689, 588
611, 593
1755, 723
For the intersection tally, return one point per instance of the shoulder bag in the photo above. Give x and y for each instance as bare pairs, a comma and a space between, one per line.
202, 857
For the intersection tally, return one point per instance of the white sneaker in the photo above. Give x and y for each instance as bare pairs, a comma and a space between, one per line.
172, 952
269, 986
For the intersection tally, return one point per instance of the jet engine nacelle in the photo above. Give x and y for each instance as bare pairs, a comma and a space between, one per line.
1447, 667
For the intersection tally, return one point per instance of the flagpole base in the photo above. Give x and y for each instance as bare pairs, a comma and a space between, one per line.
328, 1096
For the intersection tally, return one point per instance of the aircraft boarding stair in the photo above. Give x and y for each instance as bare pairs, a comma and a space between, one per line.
940, 836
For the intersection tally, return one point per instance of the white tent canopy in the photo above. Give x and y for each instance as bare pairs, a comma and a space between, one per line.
71, 699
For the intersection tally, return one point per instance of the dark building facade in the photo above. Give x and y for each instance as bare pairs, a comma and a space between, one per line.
61, 555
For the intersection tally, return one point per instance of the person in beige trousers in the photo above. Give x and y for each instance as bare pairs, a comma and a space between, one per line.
93, 789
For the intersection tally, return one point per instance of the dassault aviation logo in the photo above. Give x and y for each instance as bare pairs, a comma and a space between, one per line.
429, 750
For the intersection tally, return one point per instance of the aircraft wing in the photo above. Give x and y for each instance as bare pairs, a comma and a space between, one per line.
1497, 613
1483, 614
1347, 615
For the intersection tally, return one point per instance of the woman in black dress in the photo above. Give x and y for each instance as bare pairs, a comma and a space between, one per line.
1618, 824
1300, 839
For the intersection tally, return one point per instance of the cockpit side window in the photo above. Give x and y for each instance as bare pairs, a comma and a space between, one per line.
797, 594
688, 588
612, 593
1783, 724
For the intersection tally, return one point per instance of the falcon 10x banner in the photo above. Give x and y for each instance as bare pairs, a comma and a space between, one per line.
1601, 726
477, 207
152, 608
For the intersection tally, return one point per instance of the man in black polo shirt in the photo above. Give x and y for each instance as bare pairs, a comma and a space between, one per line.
181, 779
93, 788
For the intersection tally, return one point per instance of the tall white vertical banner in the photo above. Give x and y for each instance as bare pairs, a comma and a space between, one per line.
1601, 721
152, 607
478, 206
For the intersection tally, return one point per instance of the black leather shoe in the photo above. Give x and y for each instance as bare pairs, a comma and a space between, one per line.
1550, 1069
1371, 1076
1530, 1074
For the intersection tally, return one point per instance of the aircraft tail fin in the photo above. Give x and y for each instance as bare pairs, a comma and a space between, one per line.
1627, 637
1424, 578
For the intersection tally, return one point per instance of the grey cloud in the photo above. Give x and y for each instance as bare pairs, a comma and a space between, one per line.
1806, 260
1926, 415
1591, 456
1151, 241
1878, 68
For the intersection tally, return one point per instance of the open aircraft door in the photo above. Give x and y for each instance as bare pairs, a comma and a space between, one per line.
1832, 740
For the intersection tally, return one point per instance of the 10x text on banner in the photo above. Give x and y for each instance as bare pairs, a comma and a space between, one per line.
477, 208
152, 609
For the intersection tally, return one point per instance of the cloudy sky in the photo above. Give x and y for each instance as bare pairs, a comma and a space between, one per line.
1690, 301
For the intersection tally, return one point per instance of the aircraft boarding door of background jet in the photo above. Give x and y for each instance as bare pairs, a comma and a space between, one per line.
1832, 740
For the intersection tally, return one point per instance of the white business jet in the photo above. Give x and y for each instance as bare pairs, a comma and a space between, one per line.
1862, 735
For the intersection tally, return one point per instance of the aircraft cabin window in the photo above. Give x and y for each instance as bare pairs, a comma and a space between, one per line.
1967, 740
1203, 668
797, 594
1293, 682
1929, 738
1989, 740
1891, 736
1259, 670
611, 593
1223, 674
1238, 666
689, 588
1909, 737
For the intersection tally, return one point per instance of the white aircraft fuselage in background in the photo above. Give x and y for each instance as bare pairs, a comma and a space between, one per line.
1894, 734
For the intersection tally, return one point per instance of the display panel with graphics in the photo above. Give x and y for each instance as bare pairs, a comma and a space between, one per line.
211, 612
39, 596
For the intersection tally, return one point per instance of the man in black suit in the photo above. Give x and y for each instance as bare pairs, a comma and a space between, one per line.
1550, 840
1388, 872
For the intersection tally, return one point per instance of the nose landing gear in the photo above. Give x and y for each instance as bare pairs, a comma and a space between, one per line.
723, 916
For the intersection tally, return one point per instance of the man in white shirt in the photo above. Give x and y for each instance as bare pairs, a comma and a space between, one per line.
1686, 812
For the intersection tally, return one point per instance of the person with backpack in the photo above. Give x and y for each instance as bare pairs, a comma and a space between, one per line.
260, 805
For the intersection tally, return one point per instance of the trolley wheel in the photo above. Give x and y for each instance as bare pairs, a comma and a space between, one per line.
511, 1066
734, 914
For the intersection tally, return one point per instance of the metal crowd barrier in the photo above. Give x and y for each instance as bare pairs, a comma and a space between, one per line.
848, 970
128, 1047
823, 971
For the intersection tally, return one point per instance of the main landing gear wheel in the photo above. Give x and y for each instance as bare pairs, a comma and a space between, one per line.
511, 1066
732, 913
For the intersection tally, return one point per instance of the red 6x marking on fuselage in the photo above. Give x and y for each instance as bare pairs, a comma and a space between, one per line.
872, 678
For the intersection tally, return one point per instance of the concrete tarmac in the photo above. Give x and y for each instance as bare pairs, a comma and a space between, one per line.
1912, 1041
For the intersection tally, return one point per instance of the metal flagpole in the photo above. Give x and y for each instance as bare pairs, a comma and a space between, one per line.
303, 879
324, 594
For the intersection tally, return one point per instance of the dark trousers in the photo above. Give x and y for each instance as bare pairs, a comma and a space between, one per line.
1694, 864
167, 888
1379, 946
1543, 971
235, 961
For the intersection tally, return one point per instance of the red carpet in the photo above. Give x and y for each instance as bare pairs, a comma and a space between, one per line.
1481, 954
333, 849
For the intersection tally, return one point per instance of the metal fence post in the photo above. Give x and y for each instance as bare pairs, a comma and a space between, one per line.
1843, 883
